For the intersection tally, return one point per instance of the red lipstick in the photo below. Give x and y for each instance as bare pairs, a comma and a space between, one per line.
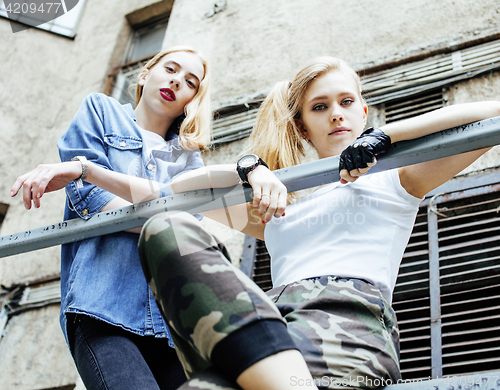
167, 94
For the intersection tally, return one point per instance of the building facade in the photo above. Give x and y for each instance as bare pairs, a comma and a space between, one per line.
413, 57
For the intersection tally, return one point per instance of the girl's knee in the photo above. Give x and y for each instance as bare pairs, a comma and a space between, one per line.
166, 224
174, 232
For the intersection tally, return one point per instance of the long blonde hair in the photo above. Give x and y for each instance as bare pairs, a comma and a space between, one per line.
276, 137
194, 124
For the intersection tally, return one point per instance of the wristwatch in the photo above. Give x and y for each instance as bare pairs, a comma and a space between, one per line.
247, 164
85, 169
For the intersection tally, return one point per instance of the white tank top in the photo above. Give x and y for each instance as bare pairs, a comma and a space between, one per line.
358, 230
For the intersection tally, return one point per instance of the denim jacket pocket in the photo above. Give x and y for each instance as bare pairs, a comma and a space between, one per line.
121, 142
124, 153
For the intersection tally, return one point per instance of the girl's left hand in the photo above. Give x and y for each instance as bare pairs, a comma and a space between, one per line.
351, 176
45, 178
362, 154
269, 193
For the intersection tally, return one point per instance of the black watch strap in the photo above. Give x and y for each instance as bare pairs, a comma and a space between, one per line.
244, 170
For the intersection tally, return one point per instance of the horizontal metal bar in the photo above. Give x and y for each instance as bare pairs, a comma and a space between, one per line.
470, 253
413, 350
408, 323
474, 301
480, 213
414, 309
467, 244
470, 232
409, 265
446, 297
411, 282
470, 332
476, 320
468, 343
461, 139
476, 361
421, 235
414, 253
470, 263
463, 274
456, 188
415, 338
404, 331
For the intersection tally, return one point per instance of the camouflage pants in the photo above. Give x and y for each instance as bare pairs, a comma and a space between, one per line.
345, 330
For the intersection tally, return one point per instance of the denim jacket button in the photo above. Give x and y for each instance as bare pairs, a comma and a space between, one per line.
85, 212
150, 167
123, 144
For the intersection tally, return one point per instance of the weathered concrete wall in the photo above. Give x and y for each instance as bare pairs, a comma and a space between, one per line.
45, 79
253, 44
33, 354
482, 88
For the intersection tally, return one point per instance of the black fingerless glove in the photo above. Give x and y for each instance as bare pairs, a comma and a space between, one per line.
370, 144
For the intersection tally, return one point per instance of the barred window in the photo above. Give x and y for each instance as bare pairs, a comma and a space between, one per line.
144, 43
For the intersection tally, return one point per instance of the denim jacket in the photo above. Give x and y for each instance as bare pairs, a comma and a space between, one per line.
102, 276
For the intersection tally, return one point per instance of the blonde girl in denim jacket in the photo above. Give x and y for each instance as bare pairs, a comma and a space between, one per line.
113, 156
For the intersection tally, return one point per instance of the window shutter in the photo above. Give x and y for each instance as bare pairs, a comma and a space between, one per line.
431, 73
407, 108
262, 267
411, 302
469, 266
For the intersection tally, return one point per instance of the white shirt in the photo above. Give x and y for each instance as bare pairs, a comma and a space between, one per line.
357, 230
152, 141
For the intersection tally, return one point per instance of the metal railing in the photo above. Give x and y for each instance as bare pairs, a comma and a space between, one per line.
461, 139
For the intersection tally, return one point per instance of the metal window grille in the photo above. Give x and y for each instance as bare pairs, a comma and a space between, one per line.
411, 302
413, 106
468, 237
144, 43
234, 126
262, 267
431, 73
123, 79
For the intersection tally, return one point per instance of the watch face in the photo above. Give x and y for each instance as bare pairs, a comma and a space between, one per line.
248, 161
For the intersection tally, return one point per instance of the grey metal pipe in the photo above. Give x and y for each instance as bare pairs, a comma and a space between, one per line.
461, 139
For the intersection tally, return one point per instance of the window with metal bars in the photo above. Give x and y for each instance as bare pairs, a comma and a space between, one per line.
144, 43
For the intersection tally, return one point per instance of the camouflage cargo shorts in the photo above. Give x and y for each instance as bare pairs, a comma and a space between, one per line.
345, 330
